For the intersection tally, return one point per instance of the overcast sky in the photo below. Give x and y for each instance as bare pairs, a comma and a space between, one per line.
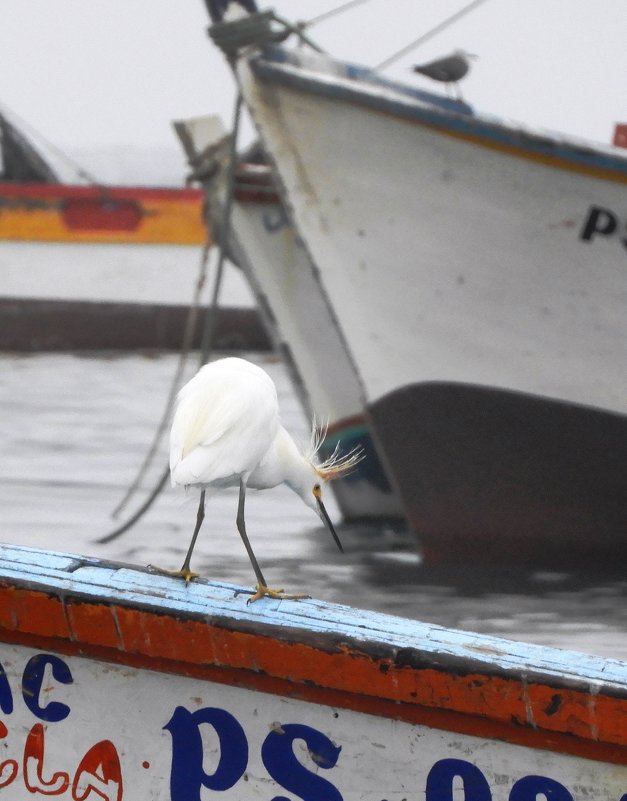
91, 74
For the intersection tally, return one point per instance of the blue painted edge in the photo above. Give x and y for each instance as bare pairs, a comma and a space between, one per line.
357, 72
225, 604
351, 83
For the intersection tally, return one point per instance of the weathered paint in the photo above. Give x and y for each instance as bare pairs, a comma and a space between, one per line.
146, 730
142, 687
505, 280
482, 306
353, 84
64, 213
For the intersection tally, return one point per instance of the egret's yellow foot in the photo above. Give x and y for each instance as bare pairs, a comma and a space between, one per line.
184, 572
262, 591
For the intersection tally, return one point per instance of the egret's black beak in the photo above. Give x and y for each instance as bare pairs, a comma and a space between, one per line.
327, 520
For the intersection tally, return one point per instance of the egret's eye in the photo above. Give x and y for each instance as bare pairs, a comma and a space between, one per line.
317, 491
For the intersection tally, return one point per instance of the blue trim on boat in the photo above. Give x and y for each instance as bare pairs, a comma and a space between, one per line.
423, 107
100, 581
357, 72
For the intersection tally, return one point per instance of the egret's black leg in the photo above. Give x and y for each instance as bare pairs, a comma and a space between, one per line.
261, 588
185, 571
241, 527
200, 516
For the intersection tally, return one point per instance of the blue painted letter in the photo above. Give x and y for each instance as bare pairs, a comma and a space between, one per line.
187, 776
6, 696
530, 787
32, 679
278, 757
440, 781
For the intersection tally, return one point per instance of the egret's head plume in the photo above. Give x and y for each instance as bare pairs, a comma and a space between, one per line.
306, 474
338, 463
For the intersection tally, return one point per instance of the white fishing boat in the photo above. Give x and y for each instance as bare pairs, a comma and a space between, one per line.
476, 270
263, 242
117, 683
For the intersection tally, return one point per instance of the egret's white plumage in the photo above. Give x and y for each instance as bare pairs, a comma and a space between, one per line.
226, 432
225, 420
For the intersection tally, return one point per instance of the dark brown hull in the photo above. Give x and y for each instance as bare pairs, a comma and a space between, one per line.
489, 476
49, 325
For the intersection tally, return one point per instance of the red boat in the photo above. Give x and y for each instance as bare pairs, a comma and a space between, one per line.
36, 206
87, 266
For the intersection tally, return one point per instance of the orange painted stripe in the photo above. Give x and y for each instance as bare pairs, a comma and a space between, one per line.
415, 714
43, 212
589, 724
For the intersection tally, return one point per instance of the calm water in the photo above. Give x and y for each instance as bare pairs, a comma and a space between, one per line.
75, 429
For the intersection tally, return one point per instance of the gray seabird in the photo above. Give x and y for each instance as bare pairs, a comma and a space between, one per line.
449, 69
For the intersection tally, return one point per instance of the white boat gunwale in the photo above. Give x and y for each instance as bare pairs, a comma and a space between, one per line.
361, 86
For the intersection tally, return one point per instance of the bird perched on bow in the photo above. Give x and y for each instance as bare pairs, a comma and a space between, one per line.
449, 69
226, 432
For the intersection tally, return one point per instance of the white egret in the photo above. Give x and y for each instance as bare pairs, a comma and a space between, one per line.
226, 432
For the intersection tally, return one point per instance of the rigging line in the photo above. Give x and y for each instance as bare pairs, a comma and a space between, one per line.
80, 171
186, 345
210, 317
299, 30
328, 14
162, 480
209, 329
429, 34
139, 513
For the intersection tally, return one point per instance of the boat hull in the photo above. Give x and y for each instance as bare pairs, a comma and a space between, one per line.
119, 683
83, 295
288, 294
490, 476
305, 334
462, 246
38, 324
458, 250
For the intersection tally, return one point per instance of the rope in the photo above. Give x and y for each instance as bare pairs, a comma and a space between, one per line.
139, 513
255, 29
209, 325
332, 13
186, 345
210, 317
161, 481
429, 34
298, 29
